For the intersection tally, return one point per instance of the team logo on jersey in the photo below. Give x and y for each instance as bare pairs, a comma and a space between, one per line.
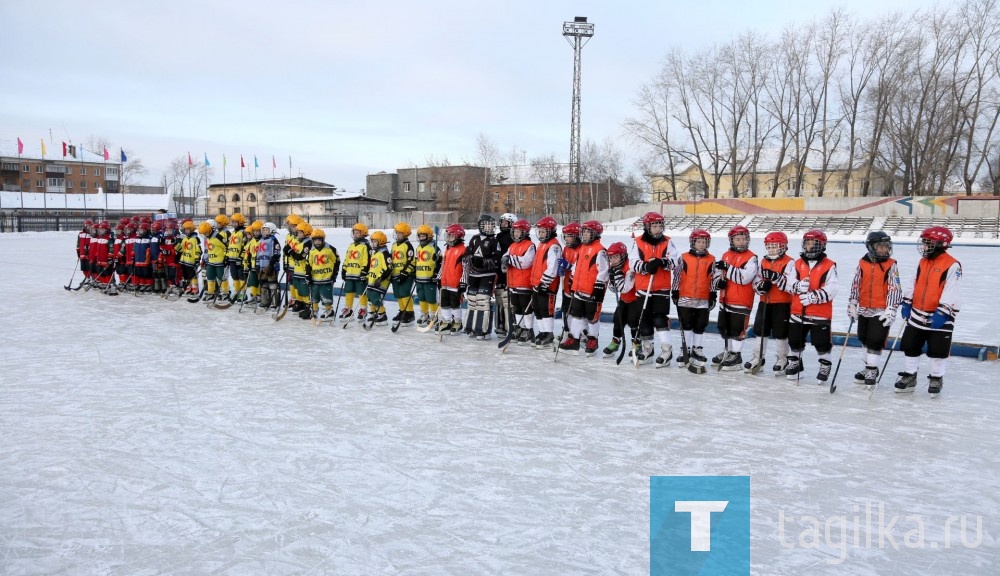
396, 255
354, 254
320, 259
424, 256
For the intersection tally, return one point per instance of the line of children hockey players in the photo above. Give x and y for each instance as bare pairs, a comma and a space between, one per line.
795, 295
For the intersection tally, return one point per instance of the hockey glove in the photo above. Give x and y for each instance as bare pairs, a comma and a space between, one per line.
343, 275
666, 264
599, 290
287, 250
652, 265
722, 265
852, 310
770, 275
713, 299
402, 278
807, 298
764, 286
721, 284
562, 266
939, 319
542, 288
583, 297
904, 310
675, 295
802, 286
887, 317
461, 288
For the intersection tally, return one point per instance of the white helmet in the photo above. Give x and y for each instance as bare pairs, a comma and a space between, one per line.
508, 217
271, 226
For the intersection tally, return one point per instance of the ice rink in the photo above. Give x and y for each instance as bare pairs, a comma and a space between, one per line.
143, 437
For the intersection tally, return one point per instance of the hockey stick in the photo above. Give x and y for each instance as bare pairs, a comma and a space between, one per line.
833, 381
75, 268
510, 333
508, 320
637, 338
885, 365
408, 299
283, 302
241, 293
572, 298
754, 370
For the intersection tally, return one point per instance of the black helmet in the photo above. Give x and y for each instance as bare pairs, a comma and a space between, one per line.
487, 225
874, 240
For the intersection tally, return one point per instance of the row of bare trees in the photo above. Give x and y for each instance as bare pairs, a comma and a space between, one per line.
912, 97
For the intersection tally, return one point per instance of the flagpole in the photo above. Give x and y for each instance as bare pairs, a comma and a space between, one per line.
19, 147
81, 166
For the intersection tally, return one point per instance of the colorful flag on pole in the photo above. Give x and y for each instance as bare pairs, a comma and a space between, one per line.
122, 150
64, 149
207, 163
20, 146
242, 163
190, 161
43, 147
255, 165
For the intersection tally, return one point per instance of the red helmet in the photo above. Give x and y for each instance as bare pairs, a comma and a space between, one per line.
88, 223
739, 231
119, 228
700, 235
776, 244
652, 218
455, 230
595, 227
144, 227
125, 221
547, 222
813, 244
522, 225
104, 224
618, 249
934, 240
572, 228
146, 220
158, 226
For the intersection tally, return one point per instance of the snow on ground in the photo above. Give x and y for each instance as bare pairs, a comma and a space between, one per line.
149, 437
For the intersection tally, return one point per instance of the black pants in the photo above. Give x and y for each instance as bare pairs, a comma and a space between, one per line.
818, 333
655, 315
938, 342
693, 319
872, 333
732, 325
450, 299
481, 285
621, 318
776, 322
587, 309
519, 302
543, 305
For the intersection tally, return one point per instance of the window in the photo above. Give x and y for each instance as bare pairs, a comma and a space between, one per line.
69, 171
26, 168
39, 170
456, 187
97, 171
25, 184
251, 197
520, 194
69, 184
40, 183
57, 182
406, 186
496, 196
236, 197
83, 171
221, 199
83, 184
111, 172
435, 186
421, 187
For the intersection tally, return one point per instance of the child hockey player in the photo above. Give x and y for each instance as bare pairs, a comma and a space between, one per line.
929, 308
355, 272
813, 283
404, 264
250, 261
693, 292
428, 265
216, 242
321, 271
654, 256
143, 275
545, 280
481, 272
875, 295
190, 256
516, 266
234, 254
82, 246
299, 256
268, 260
292, 222
502, 294
379, 272
775, 307
451, 280
737, 270
571, 244
99, 251
590, 279
622, 281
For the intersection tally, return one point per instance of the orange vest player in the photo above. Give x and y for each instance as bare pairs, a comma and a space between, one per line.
654, 257
813, 283
517, 264
737, 269
452, 280
590, 279
694, 295
930, 306
545, 280
875, 296
775, 308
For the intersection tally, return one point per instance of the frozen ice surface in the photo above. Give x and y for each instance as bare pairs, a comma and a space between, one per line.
141, 436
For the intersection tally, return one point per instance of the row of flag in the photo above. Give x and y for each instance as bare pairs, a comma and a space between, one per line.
71, 151
243, 164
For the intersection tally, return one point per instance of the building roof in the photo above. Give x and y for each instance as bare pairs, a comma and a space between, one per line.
352, 197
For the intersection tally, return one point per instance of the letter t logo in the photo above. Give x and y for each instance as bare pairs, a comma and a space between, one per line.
701, 520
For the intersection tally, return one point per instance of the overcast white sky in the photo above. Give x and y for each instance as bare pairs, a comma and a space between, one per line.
345, 88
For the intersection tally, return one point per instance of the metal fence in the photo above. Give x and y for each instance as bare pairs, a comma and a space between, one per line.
28, 222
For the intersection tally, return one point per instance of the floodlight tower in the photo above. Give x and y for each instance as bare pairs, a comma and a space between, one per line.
577, 33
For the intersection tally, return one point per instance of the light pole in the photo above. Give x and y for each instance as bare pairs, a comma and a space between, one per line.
577, 33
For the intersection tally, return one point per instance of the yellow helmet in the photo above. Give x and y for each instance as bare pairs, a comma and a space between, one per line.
293, 220
222, 220
204, 228
188, 225
404, 229
318, 233
238, 219
305, 228
379, 238
360, 228
257, 225
425, 229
